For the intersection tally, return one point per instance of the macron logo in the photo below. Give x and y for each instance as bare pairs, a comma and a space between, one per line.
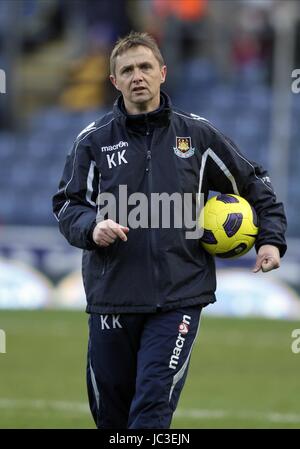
118, 145
116, 159
183, 330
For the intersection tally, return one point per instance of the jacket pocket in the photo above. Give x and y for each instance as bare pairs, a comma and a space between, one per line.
108, 257
105, 262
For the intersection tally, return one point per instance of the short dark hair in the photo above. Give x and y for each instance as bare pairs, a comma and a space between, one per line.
134, 39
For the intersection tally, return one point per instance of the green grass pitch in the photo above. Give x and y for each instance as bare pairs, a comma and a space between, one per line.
242, 374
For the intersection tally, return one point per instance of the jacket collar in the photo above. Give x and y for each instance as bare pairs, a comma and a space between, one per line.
141, 123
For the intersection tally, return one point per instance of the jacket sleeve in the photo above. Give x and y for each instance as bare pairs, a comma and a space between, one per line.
229, 171
74, 204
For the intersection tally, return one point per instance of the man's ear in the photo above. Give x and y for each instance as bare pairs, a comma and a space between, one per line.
163, 74
113, 81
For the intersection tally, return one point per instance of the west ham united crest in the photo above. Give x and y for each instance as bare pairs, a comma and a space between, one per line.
184, 147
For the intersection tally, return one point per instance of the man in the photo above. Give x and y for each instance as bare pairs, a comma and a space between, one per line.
146, 286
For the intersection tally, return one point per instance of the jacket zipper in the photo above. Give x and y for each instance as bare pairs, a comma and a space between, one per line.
152, 234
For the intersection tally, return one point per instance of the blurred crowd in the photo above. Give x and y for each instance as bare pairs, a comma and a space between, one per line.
233, 38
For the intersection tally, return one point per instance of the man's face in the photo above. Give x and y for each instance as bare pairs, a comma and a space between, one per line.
138, 76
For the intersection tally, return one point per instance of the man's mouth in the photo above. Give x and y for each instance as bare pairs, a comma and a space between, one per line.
138, 89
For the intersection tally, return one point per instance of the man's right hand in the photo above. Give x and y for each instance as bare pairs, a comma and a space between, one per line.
107, 231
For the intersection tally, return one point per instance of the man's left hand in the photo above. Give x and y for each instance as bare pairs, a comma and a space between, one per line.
268, 258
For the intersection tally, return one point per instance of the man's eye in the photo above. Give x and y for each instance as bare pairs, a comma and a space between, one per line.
127, 70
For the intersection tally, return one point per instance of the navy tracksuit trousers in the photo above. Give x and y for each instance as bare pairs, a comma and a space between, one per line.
137, 365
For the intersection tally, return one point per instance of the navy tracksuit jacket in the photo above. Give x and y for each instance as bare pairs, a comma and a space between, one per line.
157, 276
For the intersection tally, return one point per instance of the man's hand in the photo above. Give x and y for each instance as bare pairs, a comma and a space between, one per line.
107, 231
268, 258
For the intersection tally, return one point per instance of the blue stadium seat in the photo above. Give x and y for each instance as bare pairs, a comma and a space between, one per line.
223, 99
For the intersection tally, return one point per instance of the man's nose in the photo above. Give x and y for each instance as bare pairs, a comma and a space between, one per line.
137, 75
